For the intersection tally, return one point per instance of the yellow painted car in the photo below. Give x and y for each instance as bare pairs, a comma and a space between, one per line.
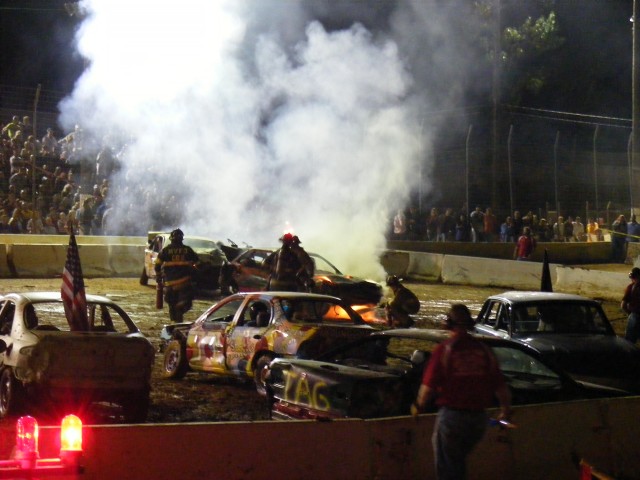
242, 333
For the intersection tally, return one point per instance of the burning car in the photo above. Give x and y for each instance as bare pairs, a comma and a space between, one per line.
241, 334
43, 362
247, 272
379, 376
210, 253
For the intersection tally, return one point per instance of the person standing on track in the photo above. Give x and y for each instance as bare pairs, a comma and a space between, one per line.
283, 265
463, 376
631, 305
176, 264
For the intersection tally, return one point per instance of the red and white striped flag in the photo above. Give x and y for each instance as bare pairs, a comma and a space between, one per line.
73, 296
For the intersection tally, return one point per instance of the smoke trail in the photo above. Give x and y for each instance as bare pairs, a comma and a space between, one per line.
237, 126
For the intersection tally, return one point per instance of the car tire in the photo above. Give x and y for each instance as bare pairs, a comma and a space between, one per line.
144, 278
175, 364
10, 392
260, 371
136, 408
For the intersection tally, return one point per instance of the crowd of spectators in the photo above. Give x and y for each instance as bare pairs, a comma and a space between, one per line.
48, 185
484, 226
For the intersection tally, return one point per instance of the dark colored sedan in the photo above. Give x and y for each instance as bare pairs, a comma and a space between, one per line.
568, 331
379, 376
247, 273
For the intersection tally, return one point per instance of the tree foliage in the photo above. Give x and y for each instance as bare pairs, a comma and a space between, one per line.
524, 43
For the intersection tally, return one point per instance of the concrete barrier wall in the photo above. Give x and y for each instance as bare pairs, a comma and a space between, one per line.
543, 446
10, 238
47, 260
591, 283
493, 273
45, 255
508, 274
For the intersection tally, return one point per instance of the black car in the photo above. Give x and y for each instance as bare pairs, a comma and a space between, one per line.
247, 273
379, 376
569, 331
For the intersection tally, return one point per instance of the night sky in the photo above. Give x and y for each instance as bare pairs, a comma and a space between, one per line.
593, 69
37, 45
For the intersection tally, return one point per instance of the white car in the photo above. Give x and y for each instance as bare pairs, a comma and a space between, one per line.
43, 362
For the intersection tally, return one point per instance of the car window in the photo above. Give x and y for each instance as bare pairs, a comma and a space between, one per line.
201, 243
48, 316
105, 318
322, 264
562, 318
490, 315
157, 245
255, 258
256, 313
317, 311
224, 312
6, 317
521, 368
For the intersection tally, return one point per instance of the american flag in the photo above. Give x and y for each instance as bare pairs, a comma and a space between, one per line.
73, 296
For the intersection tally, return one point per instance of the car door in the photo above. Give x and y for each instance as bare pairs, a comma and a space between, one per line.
250, 273
243, 335
208, 336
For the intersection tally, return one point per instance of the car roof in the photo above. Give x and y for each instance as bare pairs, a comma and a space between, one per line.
536, 296
49, 297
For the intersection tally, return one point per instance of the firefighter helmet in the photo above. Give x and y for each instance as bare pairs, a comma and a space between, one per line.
176, 235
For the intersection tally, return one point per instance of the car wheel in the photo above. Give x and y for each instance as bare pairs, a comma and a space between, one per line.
175, 360
144, 278
136, 408
9, 393
260, 372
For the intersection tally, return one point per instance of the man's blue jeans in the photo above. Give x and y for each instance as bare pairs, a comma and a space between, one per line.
632, 332
456, 433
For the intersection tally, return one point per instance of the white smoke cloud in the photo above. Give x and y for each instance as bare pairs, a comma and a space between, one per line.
244, 131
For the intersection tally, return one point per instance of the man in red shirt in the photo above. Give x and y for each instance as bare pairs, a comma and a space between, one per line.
525, 246
631, 305
463, 376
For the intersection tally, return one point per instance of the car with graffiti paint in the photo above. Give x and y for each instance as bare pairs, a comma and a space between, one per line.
569, 331
43, 363
247, 272
210, 253
242, 333
379, 376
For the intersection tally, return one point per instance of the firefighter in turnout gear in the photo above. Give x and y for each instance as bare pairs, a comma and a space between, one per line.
175, 265
284, 266
307, 267
403, 304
